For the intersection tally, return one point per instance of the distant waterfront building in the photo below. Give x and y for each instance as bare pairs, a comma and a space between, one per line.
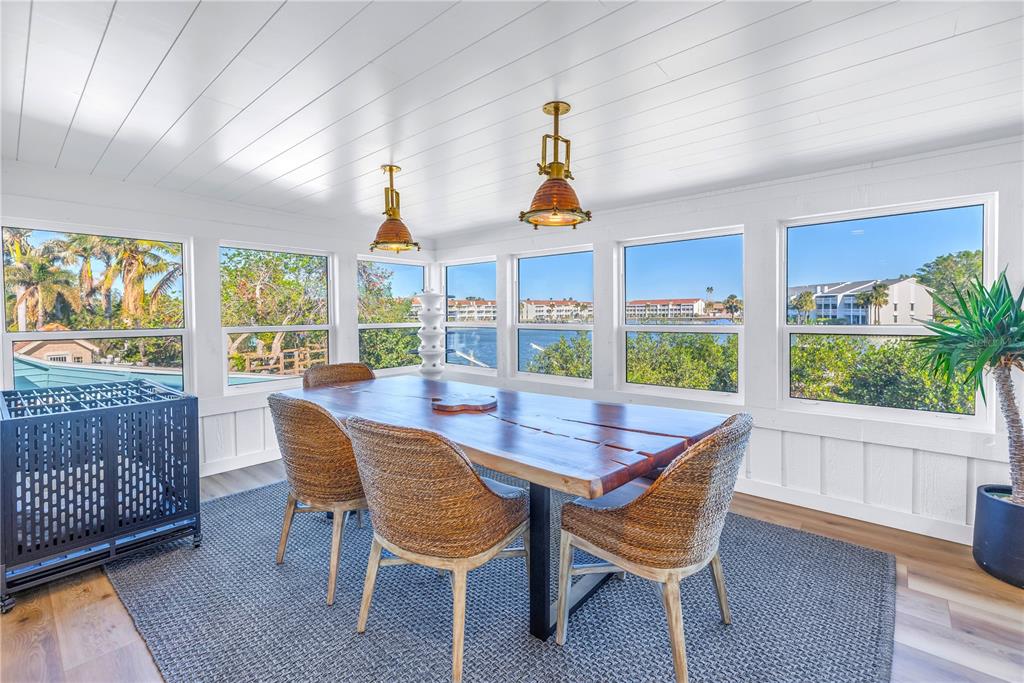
640, 309
472, 309
544, 310
908, 300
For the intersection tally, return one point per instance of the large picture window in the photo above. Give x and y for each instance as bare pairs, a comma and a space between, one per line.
82, 308
471, 338
857, 291
388, 308
555, 317
275, 313
676, 293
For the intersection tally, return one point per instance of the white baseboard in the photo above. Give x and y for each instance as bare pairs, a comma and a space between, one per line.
227, 464
897, 519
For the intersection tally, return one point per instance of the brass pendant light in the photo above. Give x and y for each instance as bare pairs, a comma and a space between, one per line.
392, 235
555, 203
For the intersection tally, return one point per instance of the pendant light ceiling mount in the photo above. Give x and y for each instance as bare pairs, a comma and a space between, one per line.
392, 235
555, 203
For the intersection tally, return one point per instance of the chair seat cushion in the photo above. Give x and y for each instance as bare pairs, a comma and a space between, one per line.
504, 490
626, 493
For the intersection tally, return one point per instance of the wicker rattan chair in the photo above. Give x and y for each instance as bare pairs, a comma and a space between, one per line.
430, 507
338, 373
321, 470
662, 531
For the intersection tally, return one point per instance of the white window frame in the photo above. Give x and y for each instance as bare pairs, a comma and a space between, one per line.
186, 331
384, 372
984, 415
515, 325
282, 381
622, 328
455, 324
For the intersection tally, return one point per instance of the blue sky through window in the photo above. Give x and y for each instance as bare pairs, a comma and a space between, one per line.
406, 279
685, 269
880, 247
472, 279
560, 276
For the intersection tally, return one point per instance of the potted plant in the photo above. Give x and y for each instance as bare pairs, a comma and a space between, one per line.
984, 333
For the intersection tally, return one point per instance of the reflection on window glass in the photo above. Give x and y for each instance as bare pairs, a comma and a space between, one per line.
57, 281
473, 346
66, 362
881, 270
566, 353
471, 291
389, 347
871, 370
260, 288
687, 360
696, 281
387, 291
557, 289
261, 356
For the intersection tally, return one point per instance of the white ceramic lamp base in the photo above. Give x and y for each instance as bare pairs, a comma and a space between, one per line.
431, 334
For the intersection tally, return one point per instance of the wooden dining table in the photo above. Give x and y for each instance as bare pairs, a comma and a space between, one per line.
581, 447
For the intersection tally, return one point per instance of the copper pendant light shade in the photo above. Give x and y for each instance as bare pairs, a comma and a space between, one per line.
392, 235
555, 203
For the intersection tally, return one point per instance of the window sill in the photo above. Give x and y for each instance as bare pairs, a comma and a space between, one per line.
681, 393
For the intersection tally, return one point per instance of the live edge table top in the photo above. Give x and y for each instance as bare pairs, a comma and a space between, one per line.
586, 448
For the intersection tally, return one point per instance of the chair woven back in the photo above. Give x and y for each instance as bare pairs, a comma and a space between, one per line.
678, 520
424, 495
338, 373
317, 454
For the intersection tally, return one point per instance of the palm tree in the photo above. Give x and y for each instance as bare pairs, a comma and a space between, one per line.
43, 283
863, 300
137, 260
16, 246
804, 303
733, 305
710, 290
82, 249
879, 298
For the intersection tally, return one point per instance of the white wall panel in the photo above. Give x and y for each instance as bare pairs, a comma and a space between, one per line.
218, 432
842, 465
765, 455
249, 431
889, 480
801, 461
939, 486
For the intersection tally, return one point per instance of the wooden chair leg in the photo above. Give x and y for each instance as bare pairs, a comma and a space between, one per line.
337, 531
526, 547
368, 583
564, 585
674, 613
723, 596
289, 513
458, 621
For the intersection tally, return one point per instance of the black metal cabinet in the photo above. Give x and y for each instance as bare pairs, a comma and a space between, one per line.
89, 473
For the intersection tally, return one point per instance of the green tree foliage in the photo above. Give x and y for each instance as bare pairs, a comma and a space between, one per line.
948, 273
272, 288
570, 356
871, 370
386, 347
689, 360
91, 282
389, 347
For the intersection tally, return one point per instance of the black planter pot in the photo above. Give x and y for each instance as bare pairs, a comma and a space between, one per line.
999, 535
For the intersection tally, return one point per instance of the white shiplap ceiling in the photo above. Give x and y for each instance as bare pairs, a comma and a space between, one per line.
294, 105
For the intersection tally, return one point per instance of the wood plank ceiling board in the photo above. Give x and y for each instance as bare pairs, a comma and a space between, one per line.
448, 72
138, 39
65, 39
14, 17
353, 69
213, 38
293, 106
439, 106
281, 47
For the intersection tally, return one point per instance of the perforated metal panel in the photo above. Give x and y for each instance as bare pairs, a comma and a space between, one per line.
88, 473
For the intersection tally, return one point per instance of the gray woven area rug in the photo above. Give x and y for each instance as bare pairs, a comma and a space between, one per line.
805, 608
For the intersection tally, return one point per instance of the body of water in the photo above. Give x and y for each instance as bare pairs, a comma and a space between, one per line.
481, 344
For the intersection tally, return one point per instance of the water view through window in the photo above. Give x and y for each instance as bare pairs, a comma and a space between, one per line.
556, 292
387, 309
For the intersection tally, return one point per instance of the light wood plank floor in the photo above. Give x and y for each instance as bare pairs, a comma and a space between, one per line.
953, 621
